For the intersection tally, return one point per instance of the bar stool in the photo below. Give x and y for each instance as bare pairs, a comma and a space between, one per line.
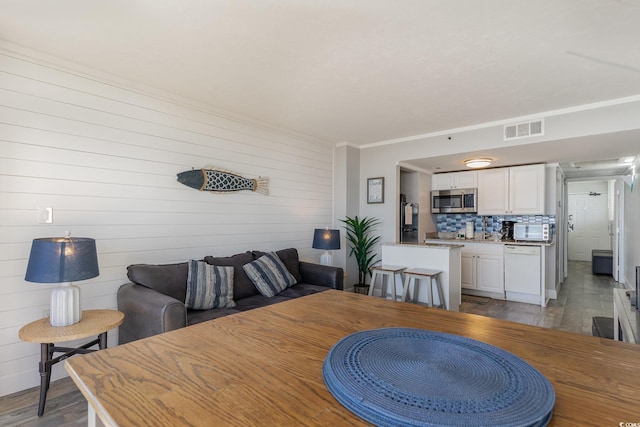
386, 272
414, 276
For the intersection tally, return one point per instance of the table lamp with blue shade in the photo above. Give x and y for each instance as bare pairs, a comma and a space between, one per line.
63, 260
328, 240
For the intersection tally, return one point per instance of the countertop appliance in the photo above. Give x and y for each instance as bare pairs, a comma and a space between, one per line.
507, 231
531, 232
522, 275
461, 200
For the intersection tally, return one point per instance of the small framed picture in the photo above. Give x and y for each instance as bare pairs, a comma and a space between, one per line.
375, 190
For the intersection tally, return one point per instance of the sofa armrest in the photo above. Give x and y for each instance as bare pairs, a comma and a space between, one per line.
323, 275
147, 313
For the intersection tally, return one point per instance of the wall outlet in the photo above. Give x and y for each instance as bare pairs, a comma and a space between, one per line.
46, 312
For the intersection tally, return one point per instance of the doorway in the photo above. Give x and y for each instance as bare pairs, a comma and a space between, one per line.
590, 219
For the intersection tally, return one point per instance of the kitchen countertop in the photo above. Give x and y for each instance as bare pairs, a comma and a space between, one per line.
488, 241
443, 245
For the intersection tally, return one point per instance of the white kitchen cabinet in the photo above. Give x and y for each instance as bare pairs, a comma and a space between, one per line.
481, 268
489, 273
518, 190
527, 189
453, 180
482, 272
493, 191
468, 271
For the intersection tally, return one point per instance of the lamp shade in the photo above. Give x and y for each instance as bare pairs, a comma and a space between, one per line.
326, 239
60, 259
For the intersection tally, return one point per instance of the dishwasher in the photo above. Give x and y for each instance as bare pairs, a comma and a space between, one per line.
522, 278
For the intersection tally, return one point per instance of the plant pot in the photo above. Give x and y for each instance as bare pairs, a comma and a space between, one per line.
359, 288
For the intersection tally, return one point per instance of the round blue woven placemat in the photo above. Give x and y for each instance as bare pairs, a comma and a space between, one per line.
403, 376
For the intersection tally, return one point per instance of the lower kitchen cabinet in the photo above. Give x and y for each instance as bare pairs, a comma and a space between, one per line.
487, 270
482, 269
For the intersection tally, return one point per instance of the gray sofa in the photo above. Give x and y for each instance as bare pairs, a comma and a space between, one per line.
154, 301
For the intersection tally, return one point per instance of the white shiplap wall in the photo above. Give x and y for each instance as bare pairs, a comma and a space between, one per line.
105, 158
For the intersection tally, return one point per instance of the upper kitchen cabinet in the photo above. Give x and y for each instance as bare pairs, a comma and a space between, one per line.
518, 190
453, 180
493, 191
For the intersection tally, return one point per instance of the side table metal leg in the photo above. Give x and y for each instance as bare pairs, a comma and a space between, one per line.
46, 351
103, 341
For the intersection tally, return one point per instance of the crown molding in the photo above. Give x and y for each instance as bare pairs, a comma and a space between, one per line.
542, 115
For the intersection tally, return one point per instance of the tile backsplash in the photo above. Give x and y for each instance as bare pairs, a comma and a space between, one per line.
455, 222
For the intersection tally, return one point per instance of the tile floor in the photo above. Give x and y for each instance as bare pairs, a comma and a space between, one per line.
582, 296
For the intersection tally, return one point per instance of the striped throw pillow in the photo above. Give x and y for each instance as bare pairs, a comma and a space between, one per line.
269, 274
209, 286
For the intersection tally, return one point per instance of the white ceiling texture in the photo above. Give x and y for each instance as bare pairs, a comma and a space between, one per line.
357, 71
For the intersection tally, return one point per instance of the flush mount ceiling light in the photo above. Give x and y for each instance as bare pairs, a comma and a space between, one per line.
478, 163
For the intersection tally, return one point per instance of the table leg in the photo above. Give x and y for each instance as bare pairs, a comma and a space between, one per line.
103, 341
46, 351
47, 361
92, 418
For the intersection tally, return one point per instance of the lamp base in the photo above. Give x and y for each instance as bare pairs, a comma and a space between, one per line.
326, 258
65, 305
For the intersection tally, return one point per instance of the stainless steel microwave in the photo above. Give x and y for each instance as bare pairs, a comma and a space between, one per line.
461, 200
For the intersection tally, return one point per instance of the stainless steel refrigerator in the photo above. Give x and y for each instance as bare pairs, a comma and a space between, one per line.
408, 221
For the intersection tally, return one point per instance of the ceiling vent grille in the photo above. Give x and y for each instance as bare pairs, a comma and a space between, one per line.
524, 130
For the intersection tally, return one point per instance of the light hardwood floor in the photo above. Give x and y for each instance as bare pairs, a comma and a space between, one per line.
582, 297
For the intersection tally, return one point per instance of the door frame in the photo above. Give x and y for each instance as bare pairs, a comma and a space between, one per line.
619, 238
618, 215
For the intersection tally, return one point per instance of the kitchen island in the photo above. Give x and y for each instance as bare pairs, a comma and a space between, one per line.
443, 257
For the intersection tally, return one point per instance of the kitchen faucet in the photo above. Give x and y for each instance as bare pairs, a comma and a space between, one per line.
485, 224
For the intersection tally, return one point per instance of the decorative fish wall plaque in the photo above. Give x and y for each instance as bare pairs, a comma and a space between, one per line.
221, 181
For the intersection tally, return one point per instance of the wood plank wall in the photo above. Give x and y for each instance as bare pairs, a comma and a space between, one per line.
104, 156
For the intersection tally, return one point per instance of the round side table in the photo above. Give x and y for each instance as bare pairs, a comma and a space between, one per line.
93, 322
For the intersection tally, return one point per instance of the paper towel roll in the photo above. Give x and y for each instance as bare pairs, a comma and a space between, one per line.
408, 214
469, 233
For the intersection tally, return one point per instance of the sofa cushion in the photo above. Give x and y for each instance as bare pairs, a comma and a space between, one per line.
269, 274
290, 259
199, 316
209, 286
242, 285
168, 279
302, 289
258, 301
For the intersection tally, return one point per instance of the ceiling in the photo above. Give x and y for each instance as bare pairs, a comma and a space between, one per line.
357, 71
585, 157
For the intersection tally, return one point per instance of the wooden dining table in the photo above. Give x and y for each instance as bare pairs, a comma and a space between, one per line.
264, 366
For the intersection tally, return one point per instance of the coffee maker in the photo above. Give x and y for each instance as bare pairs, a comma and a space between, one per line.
507, 230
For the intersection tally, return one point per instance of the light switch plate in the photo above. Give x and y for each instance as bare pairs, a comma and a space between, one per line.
45, 215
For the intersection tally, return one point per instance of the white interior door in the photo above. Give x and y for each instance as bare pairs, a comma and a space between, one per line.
588, 225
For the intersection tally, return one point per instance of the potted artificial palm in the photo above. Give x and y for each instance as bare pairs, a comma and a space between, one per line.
361, 241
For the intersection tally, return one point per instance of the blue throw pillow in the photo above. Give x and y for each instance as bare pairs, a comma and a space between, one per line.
269, 274
209, 286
